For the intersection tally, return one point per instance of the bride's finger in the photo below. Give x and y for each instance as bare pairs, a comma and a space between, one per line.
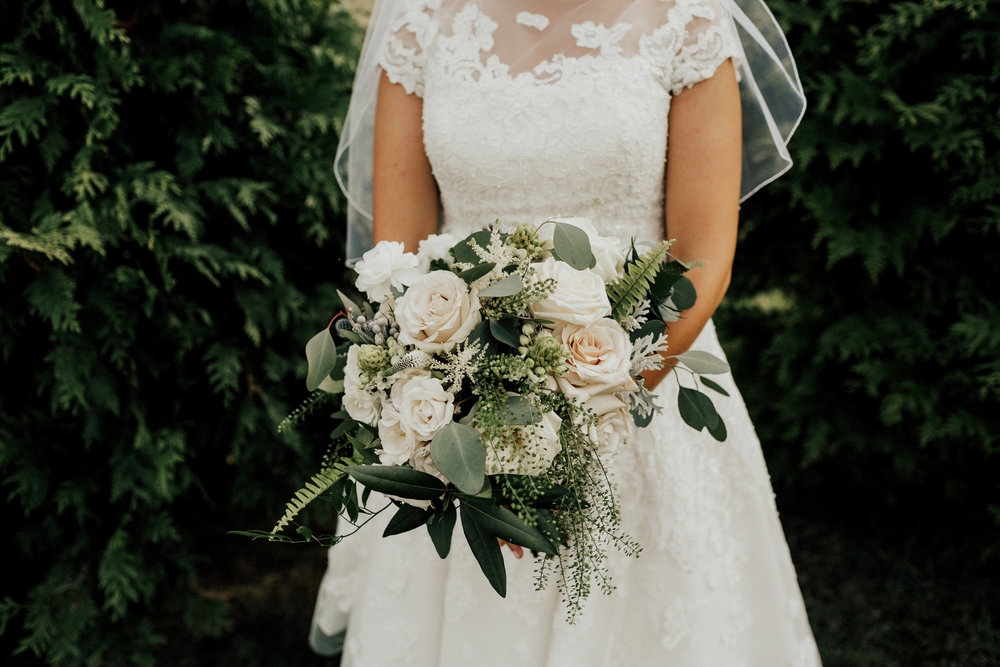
514, 548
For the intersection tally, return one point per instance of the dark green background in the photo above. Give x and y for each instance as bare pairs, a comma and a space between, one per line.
170, 235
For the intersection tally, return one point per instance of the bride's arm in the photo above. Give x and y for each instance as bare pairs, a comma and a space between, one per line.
404, 194
702, 195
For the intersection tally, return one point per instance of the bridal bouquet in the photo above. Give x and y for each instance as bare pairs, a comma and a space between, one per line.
492, 378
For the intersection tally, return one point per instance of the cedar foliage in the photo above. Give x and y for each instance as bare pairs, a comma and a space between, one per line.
167, 202
866, 296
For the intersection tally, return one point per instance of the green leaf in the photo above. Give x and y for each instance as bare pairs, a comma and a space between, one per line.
642, 420
398, 481
670, 272
482, 335
506, 525
684, 294
351, 502
712, 384
406, 518
696, 409
477, 272
703, 363
507, 287
463, 251
349, 306
440, 527
523, 411
507, 331
321, 353
571, 244
647, 328
486, 549
458, 452
719, 431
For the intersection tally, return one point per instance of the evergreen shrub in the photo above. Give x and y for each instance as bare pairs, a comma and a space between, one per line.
865, 305
167, 217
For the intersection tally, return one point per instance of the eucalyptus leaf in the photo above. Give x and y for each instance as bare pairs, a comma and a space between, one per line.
458, 452
481, 334
507, 287
486, 549
703, 363
398, 481
696, 409
683, 294
523, 411
667, 312
507, 331
715, 386
440, 527
477, 272
506, 525
571, 244
406, 518
349, 305
463, 252
666, 278
321, 354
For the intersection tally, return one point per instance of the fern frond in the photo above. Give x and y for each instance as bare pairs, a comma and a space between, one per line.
306, 408
314, 488
632, 288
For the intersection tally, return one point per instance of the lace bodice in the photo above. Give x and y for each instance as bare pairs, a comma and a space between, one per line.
533, 110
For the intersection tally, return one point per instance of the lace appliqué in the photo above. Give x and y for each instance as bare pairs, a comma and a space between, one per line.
536, 21
405, 54
592, 35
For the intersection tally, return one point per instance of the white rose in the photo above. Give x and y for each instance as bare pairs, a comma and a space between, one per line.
424, 407
435, 246
530, 451
421, 460
614, 422
398, 445
383, 267
360, 404
600, 357
437, 312
578, 298
608, 250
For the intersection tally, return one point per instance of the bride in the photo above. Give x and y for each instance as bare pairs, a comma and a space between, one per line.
519, 110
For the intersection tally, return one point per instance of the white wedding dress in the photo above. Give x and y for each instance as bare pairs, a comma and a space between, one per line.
534, 109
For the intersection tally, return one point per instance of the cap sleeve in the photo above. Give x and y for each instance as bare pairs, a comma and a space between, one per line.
694, 39
405, 54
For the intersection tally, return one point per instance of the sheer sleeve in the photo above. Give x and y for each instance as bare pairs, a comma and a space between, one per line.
405, 53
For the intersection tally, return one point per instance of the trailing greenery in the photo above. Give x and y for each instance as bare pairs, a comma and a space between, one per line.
864, 307
167, 208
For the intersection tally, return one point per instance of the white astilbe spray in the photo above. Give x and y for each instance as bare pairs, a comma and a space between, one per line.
459, 364
637, 317
647, 353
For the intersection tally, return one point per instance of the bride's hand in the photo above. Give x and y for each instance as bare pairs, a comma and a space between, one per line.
514, 549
